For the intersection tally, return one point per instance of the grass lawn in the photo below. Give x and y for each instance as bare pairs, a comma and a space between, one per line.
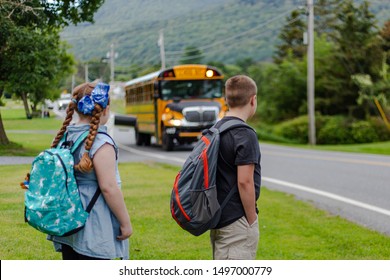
290, 229
381, 148
26, 144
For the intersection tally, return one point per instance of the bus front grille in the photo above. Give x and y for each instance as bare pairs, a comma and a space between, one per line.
200, 115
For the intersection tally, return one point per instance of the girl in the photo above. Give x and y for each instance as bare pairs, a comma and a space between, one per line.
108, 227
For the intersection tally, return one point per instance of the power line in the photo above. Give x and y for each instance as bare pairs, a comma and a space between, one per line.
230, 45
209, 49
235, 36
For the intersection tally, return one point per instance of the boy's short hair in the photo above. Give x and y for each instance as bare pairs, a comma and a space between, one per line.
239, 89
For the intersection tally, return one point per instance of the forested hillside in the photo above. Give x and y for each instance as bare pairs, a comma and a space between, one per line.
223, 30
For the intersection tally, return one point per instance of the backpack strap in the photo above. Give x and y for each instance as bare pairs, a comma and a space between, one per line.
115, 146
93, 200
229, 196
230, 124
79, 140
64, 143
74, 147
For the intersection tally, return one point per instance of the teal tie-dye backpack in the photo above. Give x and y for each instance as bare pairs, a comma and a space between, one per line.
52, 199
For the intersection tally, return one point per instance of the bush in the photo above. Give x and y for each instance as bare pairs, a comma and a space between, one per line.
363, 132
295, 130
381, 129
332, 130
265, 132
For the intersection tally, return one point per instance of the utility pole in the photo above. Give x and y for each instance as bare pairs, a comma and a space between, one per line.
86, 72
73, 83
162, 50
112, 63
310, 73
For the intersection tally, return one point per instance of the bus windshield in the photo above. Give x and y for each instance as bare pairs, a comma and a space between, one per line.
191, 89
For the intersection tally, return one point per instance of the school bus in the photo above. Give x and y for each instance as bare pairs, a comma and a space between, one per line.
175, 105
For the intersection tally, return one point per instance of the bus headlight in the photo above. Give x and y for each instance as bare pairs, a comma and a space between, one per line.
209, 73
175, 122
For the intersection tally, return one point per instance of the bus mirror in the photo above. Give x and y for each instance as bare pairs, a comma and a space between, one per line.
156, 95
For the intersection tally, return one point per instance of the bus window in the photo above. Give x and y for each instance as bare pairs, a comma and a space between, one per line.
191, 89
212, 89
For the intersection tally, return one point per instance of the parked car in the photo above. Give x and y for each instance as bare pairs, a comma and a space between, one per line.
49, 104
63, 101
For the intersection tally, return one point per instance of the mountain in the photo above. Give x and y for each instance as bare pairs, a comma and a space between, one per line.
224, 30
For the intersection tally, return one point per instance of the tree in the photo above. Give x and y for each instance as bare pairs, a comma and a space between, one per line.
17, 17
245, 63
385, 35
191, 55
291, 37
282, 89
51, 12
378, 91
325, 17
357, 52
36, 61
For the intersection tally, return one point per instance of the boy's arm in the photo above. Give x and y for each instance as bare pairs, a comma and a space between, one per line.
246, 189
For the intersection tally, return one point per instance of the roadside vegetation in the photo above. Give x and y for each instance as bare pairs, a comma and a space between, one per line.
294, 133
290, 229
30, 144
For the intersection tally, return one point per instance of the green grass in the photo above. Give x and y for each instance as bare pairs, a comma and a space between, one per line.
22, 144
290, 229
381, 148
26, 144
117, 105
15, 119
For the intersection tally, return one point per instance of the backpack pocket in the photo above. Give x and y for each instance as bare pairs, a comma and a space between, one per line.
204, 204
36, 202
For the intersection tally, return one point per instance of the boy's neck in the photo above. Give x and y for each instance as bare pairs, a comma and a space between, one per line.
238, 113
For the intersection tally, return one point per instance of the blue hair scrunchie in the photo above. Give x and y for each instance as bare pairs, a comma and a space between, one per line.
99, 95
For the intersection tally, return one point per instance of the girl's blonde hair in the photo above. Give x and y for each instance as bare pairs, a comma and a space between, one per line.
85, 164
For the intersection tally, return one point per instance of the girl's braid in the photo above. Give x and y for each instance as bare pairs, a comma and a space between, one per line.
86, 164
69, 114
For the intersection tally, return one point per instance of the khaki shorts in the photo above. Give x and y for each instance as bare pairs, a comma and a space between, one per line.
237, 241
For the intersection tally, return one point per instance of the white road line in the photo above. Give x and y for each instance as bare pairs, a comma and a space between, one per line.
328, 195
278, 182
143, 153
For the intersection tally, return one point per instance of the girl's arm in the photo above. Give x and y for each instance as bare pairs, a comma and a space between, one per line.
104, 162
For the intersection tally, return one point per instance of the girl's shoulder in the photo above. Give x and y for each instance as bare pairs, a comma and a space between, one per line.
102, 138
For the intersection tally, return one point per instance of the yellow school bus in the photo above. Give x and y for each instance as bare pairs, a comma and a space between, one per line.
175, 105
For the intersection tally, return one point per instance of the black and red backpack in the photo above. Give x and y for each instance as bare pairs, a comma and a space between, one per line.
194, 204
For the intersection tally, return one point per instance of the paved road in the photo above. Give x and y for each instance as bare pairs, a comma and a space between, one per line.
354, 186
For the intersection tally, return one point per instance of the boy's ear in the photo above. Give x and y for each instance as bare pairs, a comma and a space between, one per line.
253, 99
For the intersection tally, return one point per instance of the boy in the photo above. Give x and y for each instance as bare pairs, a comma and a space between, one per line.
237, 234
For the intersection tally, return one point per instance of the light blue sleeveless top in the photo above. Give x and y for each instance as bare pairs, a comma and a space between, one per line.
98, 237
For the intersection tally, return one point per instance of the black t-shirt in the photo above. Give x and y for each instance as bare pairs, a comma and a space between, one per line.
238, 146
